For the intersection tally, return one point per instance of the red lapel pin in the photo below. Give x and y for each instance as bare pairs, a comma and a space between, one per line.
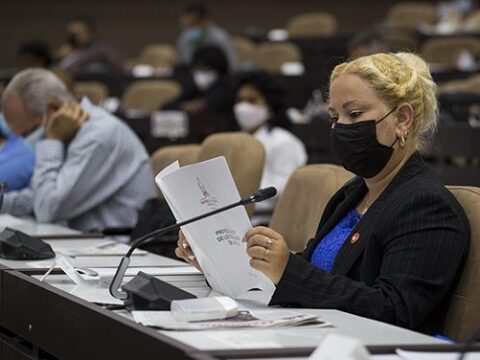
354, 238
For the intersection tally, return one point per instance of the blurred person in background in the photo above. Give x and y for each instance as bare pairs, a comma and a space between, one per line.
84, 53
37, 54
260, 111
366, 43
208, 86
91, 170
199, 30
34, 54
458, 16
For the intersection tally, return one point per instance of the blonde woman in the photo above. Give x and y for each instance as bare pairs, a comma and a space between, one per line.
391, 242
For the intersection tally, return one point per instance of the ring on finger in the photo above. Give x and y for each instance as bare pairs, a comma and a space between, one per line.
184, 245
269, 243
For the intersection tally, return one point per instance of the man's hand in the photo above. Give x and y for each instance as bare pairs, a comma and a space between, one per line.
63, 119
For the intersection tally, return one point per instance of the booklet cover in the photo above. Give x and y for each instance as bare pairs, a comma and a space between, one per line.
216, 241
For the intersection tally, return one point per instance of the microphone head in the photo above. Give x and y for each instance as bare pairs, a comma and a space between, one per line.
262, 194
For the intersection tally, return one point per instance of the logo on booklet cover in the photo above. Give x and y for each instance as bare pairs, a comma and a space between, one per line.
207, 199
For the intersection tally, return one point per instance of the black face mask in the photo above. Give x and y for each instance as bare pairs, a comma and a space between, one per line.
72, 39
357, 147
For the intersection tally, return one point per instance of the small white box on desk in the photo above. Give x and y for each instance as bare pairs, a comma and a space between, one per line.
201, 309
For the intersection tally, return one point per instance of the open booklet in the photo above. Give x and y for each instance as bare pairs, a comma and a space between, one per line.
245, 319
216, 241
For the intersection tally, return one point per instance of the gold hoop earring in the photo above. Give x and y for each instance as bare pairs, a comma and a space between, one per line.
403, 139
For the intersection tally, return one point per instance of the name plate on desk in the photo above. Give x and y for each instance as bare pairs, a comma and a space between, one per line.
169, 124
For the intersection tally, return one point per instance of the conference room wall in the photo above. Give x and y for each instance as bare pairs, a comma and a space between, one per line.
129, 24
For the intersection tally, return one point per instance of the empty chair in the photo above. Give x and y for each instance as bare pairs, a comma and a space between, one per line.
158, 55
271, 56
470, 85
245, 49
149, 95
410, 15
185, 154
93, 90
315, 24
446, 50
463, 316
245, 156
298, 211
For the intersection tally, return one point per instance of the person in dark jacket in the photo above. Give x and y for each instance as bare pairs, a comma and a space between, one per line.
392, 242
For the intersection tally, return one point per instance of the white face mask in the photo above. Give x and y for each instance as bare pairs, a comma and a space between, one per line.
204, 79
250, 116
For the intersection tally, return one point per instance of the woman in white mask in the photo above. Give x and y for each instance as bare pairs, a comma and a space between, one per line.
259, 110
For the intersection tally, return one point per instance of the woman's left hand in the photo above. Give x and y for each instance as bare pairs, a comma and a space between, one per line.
268, 251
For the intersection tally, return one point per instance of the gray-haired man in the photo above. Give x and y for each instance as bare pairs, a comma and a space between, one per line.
91, 170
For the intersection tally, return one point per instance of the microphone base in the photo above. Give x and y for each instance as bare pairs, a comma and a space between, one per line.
146, 292
16, 245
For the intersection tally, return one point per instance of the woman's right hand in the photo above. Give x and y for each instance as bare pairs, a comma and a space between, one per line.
183, 251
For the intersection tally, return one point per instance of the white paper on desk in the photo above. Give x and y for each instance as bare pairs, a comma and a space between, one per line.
90, 290
67, 267
7, 220
217, 240
154, 271
259, 319
95, 294
425, 355
104, 248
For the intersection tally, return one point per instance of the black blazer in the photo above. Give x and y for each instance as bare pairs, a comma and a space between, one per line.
409, 252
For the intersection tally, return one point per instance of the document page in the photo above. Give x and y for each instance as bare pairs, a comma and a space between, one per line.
246, 319
217, 241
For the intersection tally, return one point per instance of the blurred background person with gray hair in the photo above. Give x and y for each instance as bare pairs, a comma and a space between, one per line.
91, 170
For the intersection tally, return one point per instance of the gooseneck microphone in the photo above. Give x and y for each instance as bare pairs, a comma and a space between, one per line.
115, 291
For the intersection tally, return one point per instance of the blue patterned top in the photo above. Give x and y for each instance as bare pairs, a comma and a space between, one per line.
326, 251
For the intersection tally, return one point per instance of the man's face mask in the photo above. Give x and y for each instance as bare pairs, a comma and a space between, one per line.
73, 40
357, 147
204, 78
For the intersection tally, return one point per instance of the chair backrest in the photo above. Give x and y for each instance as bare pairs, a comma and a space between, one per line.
271, 56
447, 50
185, 154
245, 49
149, 95
463, 316
469, 85
315, 24
472, 84
410, 15
301, 205
158, 55
93, 90
245, 156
